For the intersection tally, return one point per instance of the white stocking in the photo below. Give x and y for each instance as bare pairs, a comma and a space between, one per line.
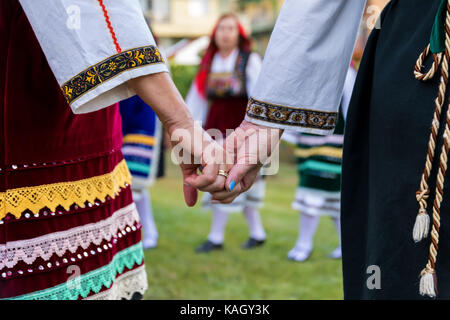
254, 223
219, 221
337, 253
307, 229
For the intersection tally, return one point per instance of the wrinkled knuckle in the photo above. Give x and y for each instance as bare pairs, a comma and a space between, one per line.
210, 179
228, 200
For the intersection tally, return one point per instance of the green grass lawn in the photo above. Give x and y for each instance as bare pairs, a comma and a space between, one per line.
176, 272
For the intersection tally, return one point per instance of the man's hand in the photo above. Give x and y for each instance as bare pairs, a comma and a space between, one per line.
251, 146
159, 91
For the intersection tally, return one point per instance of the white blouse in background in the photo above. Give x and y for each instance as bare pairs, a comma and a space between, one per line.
198, 105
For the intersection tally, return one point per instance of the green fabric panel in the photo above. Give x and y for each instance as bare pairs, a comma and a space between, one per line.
320, 166
324, 159
437, 39
331, 160
92, 281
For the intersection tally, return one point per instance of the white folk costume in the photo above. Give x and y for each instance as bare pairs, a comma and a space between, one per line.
396, 138
69, 228
200, 107
319, 165
218, 98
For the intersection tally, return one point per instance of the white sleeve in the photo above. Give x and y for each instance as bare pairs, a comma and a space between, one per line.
94, 51
252, 71
303, 72
349, 83
198, 106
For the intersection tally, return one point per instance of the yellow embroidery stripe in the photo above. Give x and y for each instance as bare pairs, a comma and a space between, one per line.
320, 151
139, 138
65, 194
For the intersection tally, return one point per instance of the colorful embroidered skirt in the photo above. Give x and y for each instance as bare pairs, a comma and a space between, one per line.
68, 225
319, 167
73, 239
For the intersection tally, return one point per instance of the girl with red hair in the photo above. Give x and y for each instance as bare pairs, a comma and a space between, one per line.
218, 98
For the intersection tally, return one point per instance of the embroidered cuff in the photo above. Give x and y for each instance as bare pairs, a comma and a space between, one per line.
86, 87
285, 117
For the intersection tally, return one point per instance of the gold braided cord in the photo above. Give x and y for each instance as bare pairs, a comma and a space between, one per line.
65, 194
424, 191
433, 69
428, 274
443, 161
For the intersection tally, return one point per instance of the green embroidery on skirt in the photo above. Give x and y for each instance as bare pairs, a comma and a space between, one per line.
139, 167
320, 166
93, 281
437, 40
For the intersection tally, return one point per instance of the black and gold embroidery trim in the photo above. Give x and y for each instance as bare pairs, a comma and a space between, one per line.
290, 116
108, 69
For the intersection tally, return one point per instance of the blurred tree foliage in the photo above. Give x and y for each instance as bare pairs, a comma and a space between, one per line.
242, 3
182, 76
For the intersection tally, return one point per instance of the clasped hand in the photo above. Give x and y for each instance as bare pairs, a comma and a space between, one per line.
228, 168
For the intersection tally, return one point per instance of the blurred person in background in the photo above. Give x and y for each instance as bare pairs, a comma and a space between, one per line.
142, 141
218, 98
319, 165
143, 150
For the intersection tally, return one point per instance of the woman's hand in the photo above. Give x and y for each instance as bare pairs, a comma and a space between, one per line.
201, 157
251, 145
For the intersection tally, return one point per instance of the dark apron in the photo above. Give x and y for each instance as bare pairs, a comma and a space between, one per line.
385, 145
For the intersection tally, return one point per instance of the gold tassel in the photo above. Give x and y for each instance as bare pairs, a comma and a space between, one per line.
428, 279
422, 226
428, 283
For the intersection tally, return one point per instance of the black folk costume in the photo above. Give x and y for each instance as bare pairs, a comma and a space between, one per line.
387, 141
400, 116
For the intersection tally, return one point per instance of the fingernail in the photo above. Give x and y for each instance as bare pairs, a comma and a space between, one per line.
232, 184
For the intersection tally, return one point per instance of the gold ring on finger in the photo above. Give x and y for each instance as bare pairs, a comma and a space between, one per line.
223, 173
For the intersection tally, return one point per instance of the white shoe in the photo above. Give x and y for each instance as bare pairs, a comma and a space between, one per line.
299, 254
149, 243
337, 253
